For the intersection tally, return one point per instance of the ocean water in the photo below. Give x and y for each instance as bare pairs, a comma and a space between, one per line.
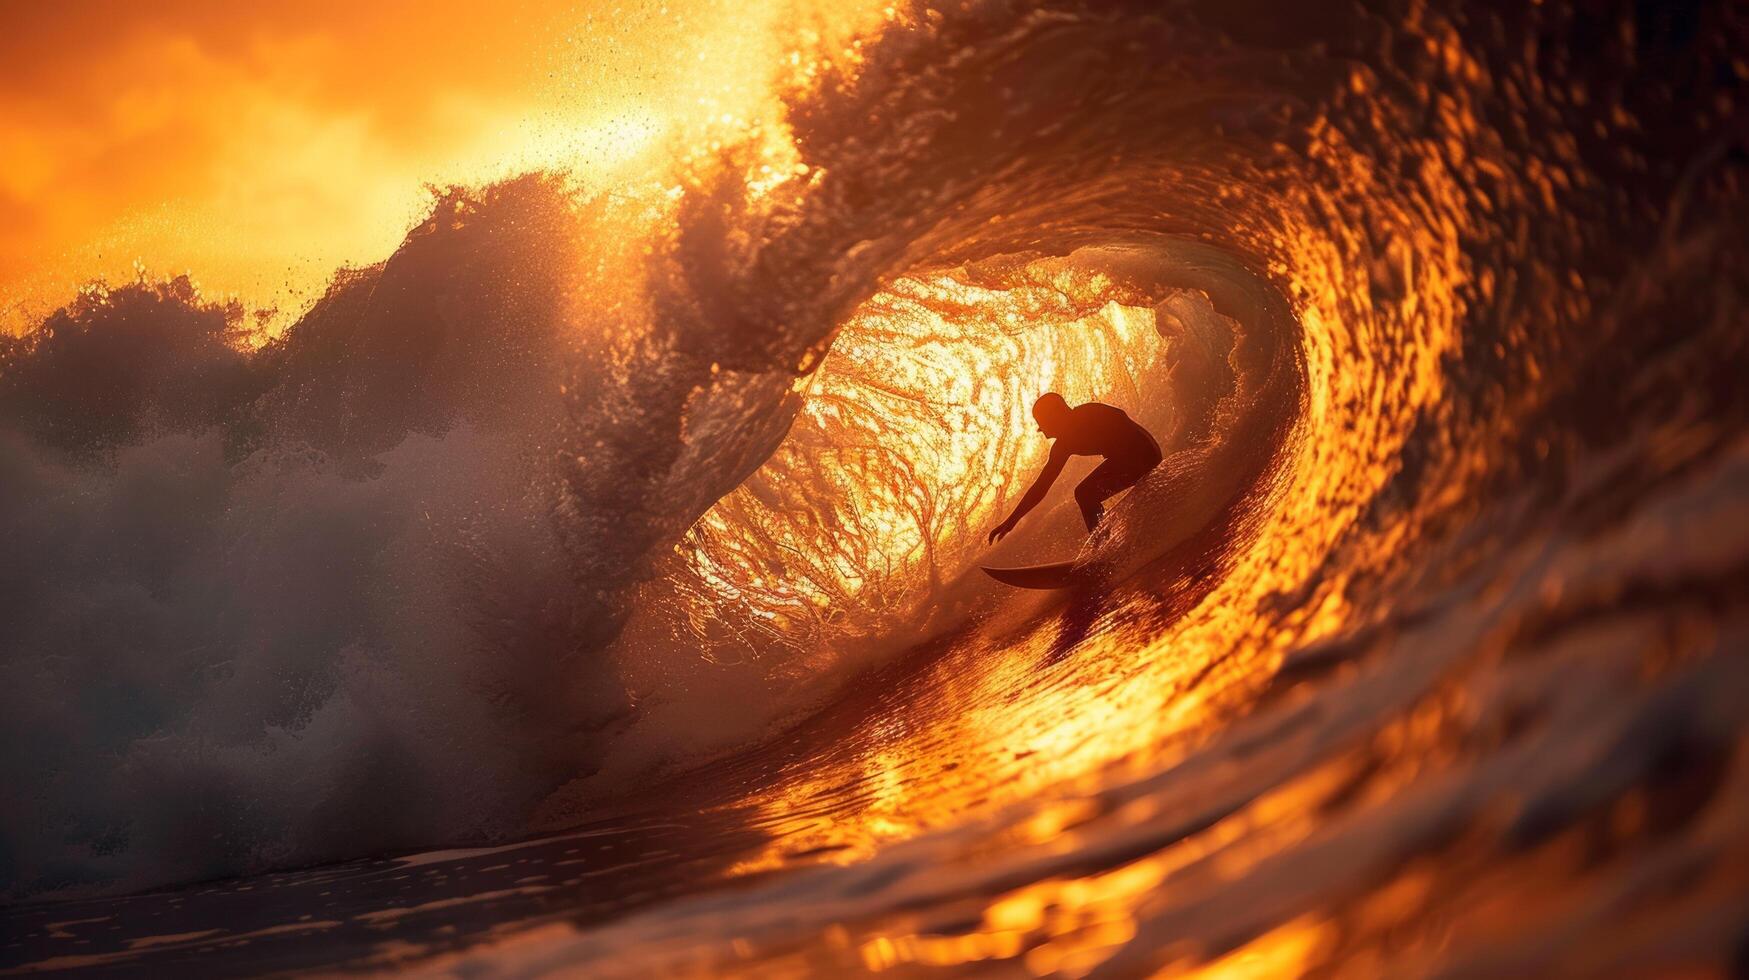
540, 605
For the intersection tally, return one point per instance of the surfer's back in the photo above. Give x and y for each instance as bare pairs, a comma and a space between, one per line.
1098, 429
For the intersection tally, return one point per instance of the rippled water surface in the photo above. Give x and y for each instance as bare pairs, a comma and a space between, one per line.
633, 592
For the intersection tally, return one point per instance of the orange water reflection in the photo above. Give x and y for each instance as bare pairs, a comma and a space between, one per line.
1029, 706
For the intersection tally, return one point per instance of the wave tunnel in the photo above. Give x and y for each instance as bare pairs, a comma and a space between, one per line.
591, 587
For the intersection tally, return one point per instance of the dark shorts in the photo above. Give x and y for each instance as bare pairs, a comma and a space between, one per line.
1115, 476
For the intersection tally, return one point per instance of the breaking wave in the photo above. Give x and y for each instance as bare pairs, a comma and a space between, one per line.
523, 514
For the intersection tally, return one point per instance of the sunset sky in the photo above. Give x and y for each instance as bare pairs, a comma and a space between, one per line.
259, 145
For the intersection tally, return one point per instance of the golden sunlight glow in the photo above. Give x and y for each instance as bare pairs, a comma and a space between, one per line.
915, 427
1013, 732
259, 147
262, 161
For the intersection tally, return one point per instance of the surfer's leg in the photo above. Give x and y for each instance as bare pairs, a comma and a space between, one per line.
1090, 495
1091, 510
1107, 480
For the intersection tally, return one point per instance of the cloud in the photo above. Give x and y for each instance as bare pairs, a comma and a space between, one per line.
258, 146
258, 151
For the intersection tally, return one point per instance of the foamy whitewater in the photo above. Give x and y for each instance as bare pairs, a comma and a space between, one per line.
1422, 654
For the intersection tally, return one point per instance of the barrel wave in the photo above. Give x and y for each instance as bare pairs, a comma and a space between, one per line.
612, 507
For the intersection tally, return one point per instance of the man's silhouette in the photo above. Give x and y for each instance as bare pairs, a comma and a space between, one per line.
1092, 429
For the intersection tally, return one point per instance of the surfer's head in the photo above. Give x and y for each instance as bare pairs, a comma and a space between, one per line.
1051, 413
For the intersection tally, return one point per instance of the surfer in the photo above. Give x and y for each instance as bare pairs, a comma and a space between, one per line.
1093, 429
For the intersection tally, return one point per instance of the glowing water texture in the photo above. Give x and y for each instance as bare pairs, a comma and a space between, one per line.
639, 512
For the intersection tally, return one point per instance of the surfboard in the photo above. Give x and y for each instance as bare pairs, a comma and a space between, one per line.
1056, 575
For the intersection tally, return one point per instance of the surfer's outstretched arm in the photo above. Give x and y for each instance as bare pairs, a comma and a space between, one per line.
1041, 485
